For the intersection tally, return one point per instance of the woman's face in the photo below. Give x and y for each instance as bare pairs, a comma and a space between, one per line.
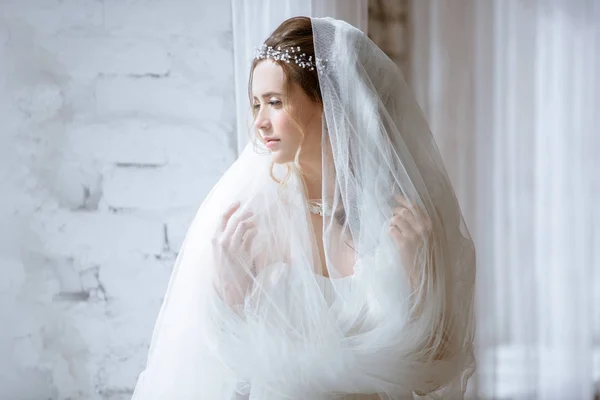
281, 133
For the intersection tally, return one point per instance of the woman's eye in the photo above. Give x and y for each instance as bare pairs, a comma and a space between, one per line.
273, 103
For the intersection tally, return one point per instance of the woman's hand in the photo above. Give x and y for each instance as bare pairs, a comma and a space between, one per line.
410, 229
236, 233
232, 246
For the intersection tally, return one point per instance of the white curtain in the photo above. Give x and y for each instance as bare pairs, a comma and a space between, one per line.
254, 20
512, 91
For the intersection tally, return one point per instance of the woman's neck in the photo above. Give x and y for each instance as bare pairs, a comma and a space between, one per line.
312, 171
313, 177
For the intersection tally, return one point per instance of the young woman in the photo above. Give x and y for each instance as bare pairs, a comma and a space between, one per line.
331, 261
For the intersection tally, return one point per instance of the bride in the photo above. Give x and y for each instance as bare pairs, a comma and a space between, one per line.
331, 261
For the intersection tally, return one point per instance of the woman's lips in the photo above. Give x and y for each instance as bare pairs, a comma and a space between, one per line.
271, 143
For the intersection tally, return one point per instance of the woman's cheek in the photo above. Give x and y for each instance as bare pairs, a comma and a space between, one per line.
281, 124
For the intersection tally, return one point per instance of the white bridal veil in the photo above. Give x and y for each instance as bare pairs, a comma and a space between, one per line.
253, 322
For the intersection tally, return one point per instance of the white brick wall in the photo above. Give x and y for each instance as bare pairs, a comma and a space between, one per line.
117, 117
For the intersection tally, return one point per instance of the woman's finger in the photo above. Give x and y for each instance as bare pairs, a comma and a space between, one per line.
402, 200
227, 215
240, 230
232, 223
419, 222
404, 203
235, 220
404, 212
403, 226
397, 236
408, 216
248, 237
420, 216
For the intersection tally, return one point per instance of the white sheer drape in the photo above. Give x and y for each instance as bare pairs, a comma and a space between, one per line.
512, 92
254, 20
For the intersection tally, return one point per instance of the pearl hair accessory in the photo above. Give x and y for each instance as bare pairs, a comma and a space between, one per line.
291, 54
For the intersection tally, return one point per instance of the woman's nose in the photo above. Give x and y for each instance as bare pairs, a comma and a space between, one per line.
262, 122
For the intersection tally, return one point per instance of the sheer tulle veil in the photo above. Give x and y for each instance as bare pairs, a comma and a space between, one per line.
254, 323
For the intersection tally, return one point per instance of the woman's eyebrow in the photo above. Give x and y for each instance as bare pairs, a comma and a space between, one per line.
269, 94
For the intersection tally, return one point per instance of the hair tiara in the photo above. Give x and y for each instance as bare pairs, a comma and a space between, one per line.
291, 54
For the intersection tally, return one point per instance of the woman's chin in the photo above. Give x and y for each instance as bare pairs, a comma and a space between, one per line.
280, 158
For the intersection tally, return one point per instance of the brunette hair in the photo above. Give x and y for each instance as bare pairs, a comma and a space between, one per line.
293, 33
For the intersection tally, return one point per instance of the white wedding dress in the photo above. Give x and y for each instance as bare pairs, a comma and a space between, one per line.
335, 291
343, 289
